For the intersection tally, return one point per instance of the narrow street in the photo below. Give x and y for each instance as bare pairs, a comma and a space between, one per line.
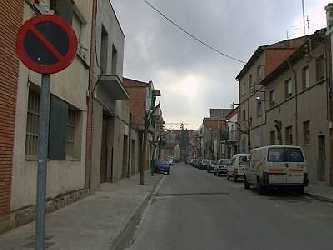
194, 210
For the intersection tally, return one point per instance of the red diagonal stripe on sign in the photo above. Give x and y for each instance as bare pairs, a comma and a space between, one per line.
47, 44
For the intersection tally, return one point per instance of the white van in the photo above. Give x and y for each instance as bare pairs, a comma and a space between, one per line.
236, 170
277, 166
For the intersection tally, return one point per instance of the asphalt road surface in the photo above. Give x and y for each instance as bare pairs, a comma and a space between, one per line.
194, 210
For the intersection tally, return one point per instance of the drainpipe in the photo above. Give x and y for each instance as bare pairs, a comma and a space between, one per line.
129, 147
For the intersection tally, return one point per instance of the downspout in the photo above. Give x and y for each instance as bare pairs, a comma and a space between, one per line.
92, 83
296, 100
129, 147
249, 126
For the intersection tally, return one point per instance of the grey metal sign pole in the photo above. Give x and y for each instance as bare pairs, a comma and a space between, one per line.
43, 140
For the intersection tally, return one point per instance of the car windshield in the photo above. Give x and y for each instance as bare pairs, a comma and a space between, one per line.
243, 159
285, 155
225, 162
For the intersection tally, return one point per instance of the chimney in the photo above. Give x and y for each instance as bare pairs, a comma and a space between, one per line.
329, 17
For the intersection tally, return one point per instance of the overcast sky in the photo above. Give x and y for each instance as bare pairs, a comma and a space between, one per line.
191, 78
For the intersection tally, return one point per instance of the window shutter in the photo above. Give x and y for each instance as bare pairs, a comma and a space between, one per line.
63, 8
57, 134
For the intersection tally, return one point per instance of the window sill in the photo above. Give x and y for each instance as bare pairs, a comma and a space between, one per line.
34, 158
31, 158
68, 158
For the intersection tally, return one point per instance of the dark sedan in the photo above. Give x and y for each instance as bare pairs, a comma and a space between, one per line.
163, 167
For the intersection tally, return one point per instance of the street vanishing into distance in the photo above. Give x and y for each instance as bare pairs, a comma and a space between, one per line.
197, 210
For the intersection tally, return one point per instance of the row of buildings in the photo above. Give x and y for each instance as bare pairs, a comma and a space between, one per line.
99, 120
285, 97
180, 144
219, 134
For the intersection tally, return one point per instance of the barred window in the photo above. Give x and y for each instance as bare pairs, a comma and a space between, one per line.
32, 128
320, 68
71, 131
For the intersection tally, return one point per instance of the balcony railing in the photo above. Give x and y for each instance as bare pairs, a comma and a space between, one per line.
234, 135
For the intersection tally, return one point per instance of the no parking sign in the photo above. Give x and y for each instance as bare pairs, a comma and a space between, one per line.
46, 44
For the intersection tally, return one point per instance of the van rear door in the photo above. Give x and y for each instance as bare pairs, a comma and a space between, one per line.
295, 165
277, 168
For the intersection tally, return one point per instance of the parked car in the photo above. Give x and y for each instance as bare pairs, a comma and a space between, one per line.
172, 162
204, 164
236, 170
221, 169
277, 167
197, 163
163, 167
211, 166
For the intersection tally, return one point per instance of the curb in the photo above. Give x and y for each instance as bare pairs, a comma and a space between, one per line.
123, 239
319, 197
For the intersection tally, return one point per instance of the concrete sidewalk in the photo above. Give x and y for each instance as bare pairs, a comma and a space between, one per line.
320, 191
92, 223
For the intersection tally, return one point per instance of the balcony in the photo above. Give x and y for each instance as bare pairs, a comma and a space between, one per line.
234, 135
110, 86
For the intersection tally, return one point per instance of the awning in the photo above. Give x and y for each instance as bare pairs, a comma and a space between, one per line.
112, 87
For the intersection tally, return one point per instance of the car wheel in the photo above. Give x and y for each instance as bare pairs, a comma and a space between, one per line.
260, 188
246, 184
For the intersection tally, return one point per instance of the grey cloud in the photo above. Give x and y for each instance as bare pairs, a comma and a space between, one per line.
236, 27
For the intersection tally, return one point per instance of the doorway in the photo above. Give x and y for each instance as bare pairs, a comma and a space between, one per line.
125, 157
321, 157
104, 151
133, 158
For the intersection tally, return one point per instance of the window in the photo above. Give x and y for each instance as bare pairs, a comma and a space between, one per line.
104, 51
244, 116
271, 98
272, 137
306, 77
114, 60
243, 88
259, 108
285, 155
306, 131
71, 133
289, 135
288, 85
64, 139
320, 68
32, 128
243, 159
250, 82
260, 72
63, 8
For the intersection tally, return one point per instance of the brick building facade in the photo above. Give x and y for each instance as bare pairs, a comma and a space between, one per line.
11, 16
